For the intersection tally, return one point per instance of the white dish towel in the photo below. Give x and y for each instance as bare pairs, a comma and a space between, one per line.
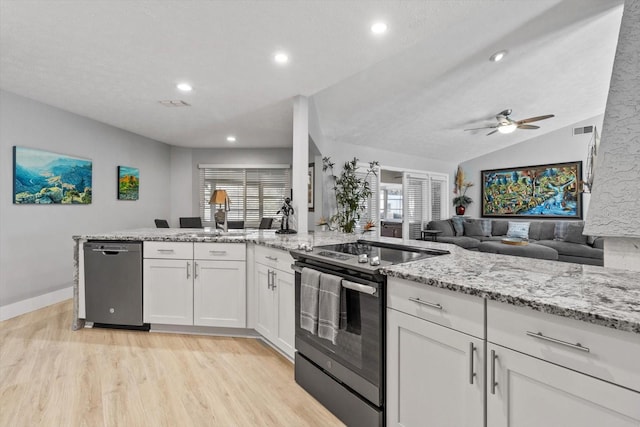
329, 307
309, 288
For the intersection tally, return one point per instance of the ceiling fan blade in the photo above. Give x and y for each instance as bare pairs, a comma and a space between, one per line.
528, 127
535, 119
485, 127
492, 132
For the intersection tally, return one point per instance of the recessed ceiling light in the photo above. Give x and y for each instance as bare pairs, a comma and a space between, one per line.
498, 56
379, 28
231, 138
281, 57
185, 87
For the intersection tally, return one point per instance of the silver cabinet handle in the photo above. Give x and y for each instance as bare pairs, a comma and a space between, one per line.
218, 252
494, 356
427, 303
272, 258
188, 270
165, 251
365, 289
273, 280
195, 270
576, 346
472, 374
103, 250
269, 279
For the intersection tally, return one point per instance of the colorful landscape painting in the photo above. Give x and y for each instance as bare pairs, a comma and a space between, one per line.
128, 183
533, 191
43, 177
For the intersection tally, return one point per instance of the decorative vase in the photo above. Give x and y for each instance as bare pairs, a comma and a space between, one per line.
460, 210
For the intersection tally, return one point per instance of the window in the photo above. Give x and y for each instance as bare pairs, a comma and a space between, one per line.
391, 201
254, 193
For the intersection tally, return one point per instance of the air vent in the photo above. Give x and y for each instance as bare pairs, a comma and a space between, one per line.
174, 103
580, 131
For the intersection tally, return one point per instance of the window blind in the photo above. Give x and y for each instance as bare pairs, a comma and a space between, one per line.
253, 193
371, 211
417, 203
438, 207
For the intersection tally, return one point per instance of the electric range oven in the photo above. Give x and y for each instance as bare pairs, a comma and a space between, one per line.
348, 376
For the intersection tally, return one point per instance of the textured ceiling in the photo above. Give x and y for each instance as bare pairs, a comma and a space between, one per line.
414, 89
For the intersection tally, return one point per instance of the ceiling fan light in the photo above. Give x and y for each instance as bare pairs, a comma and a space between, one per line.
507, 128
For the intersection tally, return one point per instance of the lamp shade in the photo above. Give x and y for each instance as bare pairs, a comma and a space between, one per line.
219, 197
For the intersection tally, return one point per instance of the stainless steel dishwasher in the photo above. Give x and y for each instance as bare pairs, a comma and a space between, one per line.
113, 283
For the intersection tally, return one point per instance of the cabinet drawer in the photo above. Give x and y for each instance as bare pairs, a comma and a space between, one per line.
447, 308
220, 251
613, 355
274, 258
168, 250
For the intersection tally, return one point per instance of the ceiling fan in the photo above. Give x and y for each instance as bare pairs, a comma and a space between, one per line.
507, 125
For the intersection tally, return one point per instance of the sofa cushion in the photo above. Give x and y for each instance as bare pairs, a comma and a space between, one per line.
485, 224
518, 229
458, 227
462, 241
499, 227
472, 228
573, 249
574, 233
443, 225
598, 243
528, 251
541, 230
560, 231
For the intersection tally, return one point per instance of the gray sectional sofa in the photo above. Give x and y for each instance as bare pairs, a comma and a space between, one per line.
562, 240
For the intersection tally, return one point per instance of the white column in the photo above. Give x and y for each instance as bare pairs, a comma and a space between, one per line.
300, 161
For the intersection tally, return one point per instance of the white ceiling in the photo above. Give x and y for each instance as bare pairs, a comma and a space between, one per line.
413, 89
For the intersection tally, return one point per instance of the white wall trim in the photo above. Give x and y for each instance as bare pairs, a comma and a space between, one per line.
28, 305
241, 166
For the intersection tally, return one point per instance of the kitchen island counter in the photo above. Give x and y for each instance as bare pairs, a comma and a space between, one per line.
598, 295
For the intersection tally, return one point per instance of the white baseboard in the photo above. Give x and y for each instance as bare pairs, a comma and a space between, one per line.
28, 305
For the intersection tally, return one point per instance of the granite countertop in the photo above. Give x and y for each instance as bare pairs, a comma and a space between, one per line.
598, 295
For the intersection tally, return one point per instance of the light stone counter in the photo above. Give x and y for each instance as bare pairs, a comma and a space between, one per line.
598, 295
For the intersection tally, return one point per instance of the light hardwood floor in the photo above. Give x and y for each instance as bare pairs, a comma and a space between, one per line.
53, 376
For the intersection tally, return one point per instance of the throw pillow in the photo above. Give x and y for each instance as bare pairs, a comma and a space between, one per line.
574, 233
518, 229
561, 230
457, 225
499, 227
472, 228
485, 224
547, 230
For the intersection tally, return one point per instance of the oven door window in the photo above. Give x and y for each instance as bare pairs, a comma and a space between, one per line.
359, 338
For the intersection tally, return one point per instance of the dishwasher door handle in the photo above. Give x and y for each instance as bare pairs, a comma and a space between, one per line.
110, 251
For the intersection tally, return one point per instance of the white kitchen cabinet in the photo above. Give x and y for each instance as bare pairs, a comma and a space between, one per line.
219, 294
206, 286
168, 291
525, 391
435, 375
275, 295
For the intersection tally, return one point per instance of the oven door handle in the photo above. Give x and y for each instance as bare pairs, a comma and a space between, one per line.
358, 287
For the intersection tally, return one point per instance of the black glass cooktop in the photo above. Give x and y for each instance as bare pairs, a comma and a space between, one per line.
387, 253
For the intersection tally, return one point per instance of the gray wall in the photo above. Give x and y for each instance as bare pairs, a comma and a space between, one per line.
554, 147
36, 247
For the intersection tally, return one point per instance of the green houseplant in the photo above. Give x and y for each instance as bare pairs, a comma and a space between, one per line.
461, 201
352, 191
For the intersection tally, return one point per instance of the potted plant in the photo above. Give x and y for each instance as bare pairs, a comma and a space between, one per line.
352, 191
461, 186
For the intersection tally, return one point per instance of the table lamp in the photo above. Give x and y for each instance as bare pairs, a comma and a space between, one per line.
219, 197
